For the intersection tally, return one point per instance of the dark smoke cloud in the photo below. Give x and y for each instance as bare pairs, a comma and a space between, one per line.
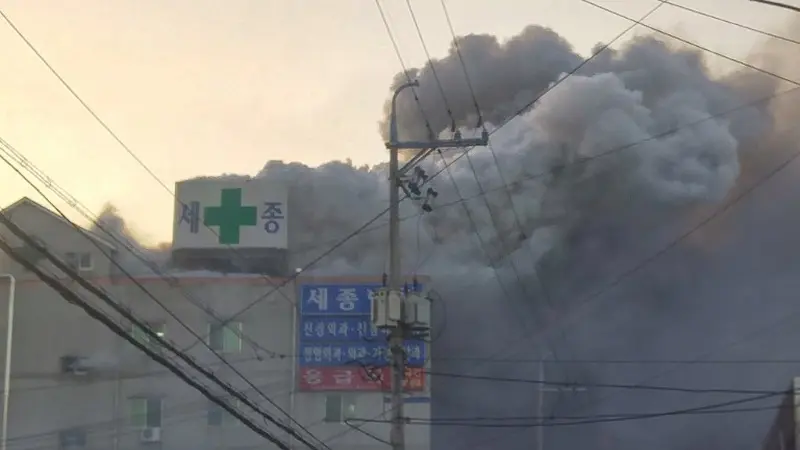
618, 213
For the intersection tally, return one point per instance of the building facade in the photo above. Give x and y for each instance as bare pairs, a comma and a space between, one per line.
76, 385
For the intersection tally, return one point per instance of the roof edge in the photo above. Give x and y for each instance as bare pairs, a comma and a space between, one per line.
91, 234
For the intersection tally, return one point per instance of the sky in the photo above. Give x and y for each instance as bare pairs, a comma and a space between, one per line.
206, 87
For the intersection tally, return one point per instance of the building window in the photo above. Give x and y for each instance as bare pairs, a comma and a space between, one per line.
145, 412
339, 408
79, 261
217, 416
72, 438
225, 338
139, 334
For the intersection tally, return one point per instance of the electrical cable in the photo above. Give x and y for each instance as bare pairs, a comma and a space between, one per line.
162, 305
483, 246
693, 44
11, 226
388, 28
492, 216
778, 4
730, 22
101, 317
517, 220
596, 420
625, 361
540, 419
639, 386
430, 63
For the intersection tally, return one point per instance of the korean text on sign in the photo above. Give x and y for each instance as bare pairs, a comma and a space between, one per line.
340, 329
190, 214
370, 353
337, 299
356, 379
272, 216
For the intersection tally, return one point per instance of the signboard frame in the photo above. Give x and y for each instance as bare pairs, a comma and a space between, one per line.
334, 333
222, 213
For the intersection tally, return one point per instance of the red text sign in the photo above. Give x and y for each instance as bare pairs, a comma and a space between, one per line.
355, 378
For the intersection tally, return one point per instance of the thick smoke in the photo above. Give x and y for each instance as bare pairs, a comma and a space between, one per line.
595, 221
565, 227
133, 256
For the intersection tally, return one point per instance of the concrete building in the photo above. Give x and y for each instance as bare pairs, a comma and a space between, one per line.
76, 385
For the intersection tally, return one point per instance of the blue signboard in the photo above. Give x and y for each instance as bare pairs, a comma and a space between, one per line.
327, 329
367, 353
335, 328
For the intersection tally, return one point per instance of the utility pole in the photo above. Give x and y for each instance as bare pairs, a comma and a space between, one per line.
398, 360
12, 282
543, 389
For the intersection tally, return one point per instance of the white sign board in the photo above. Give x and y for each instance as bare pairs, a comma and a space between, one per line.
213, 213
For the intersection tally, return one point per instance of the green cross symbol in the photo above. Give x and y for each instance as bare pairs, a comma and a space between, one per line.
230, 216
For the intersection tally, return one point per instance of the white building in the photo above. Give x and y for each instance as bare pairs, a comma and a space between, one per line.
75, 384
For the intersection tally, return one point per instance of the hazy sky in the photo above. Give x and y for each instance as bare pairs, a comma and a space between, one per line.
202, 87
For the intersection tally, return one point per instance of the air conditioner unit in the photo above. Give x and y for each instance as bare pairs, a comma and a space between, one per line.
74, 365
150, 435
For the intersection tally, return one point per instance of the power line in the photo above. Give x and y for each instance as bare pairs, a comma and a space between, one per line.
522, 233
101, 317
482, 243
603, 419
624, 361
553, 418
163, 306
463, 65
404, 67
730, 22
603, 385
693, 44
779, 5
432, 66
